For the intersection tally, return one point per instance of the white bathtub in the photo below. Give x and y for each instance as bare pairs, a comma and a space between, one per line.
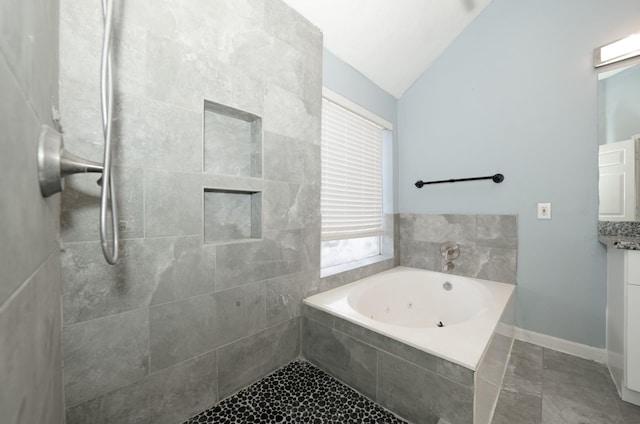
408, 305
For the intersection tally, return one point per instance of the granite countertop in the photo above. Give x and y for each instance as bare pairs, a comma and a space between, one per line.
620, 235
621, 242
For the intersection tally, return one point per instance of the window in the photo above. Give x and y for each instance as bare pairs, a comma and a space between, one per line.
352, 181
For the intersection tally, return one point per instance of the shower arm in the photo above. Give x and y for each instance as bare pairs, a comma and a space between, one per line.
54, 163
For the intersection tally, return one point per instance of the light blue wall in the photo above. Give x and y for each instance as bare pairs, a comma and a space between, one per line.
517, 93
350, 83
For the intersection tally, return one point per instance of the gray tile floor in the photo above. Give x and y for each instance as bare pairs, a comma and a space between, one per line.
543, 386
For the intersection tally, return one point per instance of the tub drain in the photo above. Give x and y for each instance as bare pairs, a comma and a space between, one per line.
440, 324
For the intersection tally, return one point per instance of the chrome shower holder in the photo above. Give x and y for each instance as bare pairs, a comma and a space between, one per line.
55, 163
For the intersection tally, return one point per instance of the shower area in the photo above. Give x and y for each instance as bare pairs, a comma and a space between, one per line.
216, 129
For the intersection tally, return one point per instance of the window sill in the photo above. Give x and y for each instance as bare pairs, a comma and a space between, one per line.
338, 269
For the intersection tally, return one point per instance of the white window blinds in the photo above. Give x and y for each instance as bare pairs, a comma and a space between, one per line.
351, 192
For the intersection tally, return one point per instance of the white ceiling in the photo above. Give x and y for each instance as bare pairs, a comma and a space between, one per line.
391, 42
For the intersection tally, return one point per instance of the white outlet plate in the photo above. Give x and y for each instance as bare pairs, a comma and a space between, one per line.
544, 210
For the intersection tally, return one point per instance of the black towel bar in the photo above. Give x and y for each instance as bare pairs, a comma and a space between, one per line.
497, 178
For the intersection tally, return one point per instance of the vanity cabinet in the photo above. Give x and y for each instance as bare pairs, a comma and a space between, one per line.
633, 337
623, 321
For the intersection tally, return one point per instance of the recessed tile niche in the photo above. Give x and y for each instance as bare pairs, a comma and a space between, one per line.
232, 146
232, 141
231, 215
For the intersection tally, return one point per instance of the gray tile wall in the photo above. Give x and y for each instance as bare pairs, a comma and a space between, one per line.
30, 305
491, 370
180, 323
417, 386
488, 244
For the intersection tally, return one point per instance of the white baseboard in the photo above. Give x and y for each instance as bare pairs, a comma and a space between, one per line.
562, 345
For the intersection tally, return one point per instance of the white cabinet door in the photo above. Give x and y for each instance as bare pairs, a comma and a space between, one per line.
617, 184
633, 337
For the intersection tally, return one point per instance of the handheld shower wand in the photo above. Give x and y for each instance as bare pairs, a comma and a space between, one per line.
54, 163
106, 95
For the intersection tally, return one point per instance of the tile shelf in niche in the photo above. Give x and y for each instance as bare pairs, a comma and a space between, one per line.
232, 215
232, 141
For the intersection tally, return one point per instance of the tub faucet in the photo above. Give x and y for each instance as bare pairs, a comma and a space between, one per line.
449, 251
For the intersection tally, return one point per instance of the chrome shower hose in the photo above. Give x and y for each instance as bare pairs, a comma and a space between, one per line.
108, 192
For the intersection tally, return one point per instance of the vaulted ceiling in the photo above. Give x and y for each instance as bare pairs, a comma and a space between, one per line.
391, 42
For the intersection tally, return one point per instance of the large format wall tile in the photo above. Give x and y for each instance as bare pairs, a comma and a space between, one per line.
173, 204
152, 134
300, 203
420, 254
179, 267
454, 372
291, 116
29, 223
149, 271
186, 328
287, 25
247, 360
81, 205
319, 316
29, 46
234, 87
500, 265
284, 296
285, 67
244, 263
92, 288
81, 116
400, 382
438, 228
30, 307
498, 231
166, 397
488, 244
104, 354
30, 351
291, 160
346, 358
489, 376
176, 72
310, 254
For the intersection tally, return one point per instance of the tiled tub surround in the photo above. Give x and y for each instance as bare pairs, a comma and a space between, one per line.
408, 305
417, 385
488, 244
182, 322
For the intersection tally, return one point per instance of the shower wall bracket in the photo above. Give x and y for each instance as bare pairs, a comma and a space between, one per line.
54, 163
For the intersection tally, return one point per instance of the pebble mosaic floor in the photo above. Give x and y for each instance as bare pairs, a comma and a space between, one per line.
297, 393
